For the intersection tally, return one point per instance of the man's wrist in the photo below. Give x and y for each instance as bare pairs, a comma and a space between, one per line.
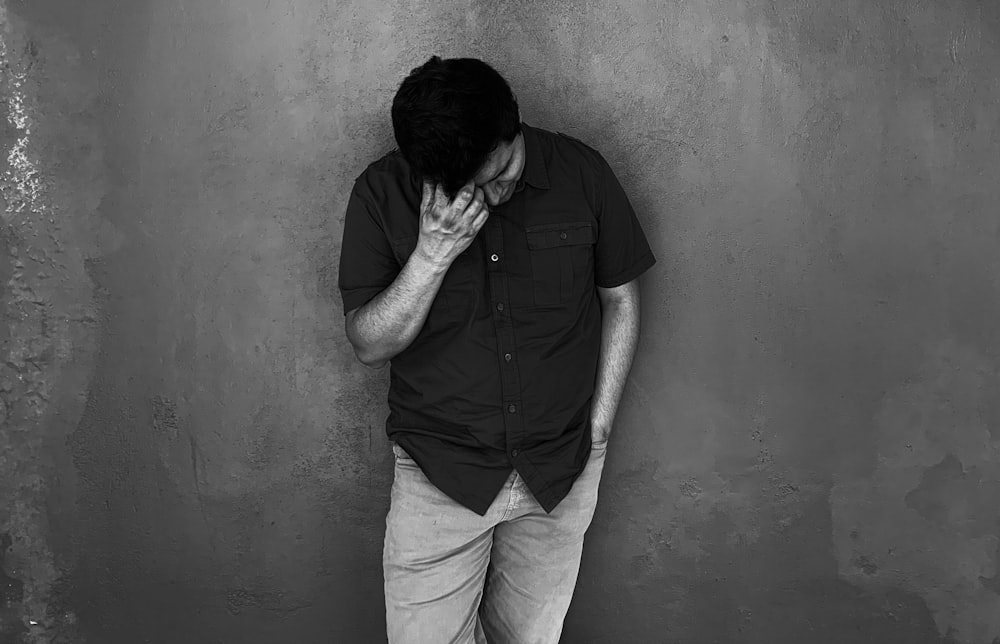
599, 431
427, 265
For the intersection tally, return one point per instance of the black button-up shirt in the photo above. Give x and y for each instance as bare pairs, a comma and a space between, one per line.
503, 371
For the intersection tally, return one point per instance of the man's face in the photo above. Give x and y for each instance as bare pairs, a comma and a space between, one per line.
502, 169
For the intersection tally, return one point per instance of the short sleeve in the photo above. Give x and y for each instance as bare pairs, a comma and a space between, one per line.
367, 263
622, 252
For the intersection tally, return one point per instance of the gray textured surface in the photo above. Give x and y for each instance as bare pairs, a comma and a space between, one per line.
809, 449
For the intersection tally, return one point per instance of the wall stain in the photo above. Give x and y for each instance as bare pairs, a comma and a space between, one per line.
52, 179
928, 512
950, 495
11, 596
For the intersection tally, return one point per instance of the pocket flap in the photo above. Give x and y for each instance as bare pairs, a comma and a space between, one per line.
556, 235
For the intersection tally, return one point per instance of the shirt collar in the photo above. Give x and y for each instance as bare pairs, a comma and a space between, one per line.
535, 173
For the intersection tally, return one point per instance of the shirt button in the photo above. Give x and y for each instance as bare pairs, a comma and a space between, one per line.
562, 235
499, 306
514, 453
512, 409
494, 257
507, 357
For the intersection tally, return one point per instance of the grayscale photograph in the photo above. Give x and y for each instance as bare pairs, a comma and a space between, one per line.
500, 322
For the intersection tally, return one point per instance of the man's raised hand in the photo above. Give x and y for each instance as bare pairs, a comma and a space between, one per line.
448, 227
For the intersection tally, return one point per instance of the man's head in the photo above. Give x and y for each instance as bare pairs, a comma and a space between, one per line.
456, 120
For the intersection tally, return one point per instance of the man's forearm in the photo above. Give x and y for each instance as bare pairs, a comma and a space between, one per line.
619, 337
390, 321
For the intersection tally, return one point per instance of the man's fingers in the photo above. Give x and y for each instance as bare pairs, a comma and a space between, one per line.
430, 189
461, 202
478, 211
440, 198
434, 201
480, 219
463, 198
477, 204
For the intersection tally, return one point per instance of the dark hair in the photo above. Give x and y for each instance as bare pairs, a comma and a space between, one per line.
448, 115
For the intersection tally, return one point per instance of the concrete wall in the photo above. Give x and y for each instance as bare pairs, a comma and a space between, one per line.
809, 449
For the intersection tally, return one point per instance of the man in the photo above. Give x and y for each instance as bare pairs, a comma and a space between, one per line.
495, 265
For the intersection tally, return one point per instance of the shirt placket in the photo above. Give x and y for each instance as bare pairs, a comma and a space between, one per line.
499, 293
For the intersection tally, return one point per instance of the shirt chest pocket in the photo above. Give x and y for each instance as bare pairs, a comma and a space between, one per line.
562, 261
